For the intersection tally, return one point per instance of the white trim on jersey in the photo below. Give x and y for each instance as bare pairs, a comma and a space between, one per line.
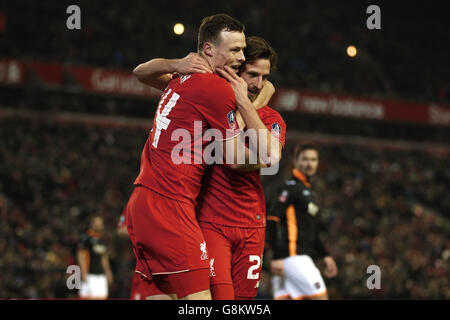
173, 272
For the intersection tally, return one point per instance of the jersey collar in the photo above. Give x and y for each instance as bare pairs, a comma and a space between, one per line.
300, 176
94, 234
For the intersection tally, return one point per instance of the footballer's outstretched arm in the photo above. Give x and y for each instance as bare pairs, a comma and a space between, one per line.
158, 72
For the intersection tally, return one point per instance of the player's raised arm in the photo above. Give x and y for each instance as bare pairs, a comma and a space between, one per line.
268, 146
261, 100
265, 95
158, 72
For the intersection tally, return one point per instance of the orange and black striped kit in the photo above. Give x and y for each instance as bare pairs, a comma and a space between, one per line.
293, 226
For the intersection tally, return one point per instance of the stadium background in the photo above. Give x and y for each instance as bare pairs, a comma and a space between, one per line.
73, 123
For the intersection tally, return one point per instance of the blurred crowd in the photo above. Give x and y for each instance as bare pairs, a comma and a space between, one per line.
53, 177
387, 208
404, 59
383, 207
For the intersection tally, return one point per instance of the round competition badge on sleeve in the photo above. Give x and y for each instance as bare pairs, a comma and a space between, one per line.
276, 130
232, 120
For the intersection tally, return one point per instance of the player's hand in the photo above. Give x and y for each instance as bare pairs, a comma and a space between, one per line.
238, 84
277, 267
192, 63
330, 267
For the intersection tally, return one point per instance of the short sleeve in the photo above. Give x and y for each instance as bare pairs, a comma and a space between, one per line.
275, 123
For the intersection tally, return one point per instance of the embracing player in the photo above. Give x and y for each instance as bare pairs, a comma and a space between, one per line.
231, 206
231, 209
169, 246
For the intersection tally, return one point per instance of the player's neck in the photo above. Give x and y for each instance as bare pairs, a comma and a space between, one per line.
209, 61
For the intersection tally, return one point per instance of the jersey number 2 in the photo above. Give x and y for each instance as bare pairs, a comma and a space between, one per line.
250, 274
162, 122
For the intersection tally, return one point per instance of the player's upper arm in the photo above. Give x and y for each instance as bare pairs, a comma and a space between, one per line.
265, 95
150, 76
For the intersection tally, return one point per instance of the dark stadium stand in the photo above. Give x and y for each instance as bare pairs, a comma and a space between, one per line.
402, 60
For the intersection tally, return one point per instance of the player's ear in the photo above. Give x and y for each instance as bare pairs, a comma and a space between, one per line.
208, 49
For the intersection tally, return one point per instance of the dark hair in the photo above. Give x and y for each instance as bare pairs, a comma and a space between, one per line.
258, 48
211, 27
304, 146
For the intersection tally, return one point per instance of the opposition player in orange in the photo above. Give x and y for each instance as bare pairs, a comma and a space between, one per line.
92, 257
293, 233
170, 249
231, 205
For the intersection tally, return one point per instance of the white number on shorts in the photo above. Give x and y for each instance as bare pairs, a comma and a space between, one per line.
162, 122
250, 274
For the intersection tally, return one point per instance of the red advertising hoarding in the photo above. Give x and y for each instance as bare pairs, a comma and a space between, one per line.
111, 81
91, 79
339, 105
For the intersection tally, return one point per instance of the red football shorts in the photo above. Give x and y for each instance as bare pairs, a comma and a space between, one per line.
167, 241
136, 291
141, 288
235, 255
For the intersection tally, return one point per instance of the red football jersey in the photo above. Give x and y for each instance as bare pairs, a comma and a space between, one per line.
234, 198
172, 163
